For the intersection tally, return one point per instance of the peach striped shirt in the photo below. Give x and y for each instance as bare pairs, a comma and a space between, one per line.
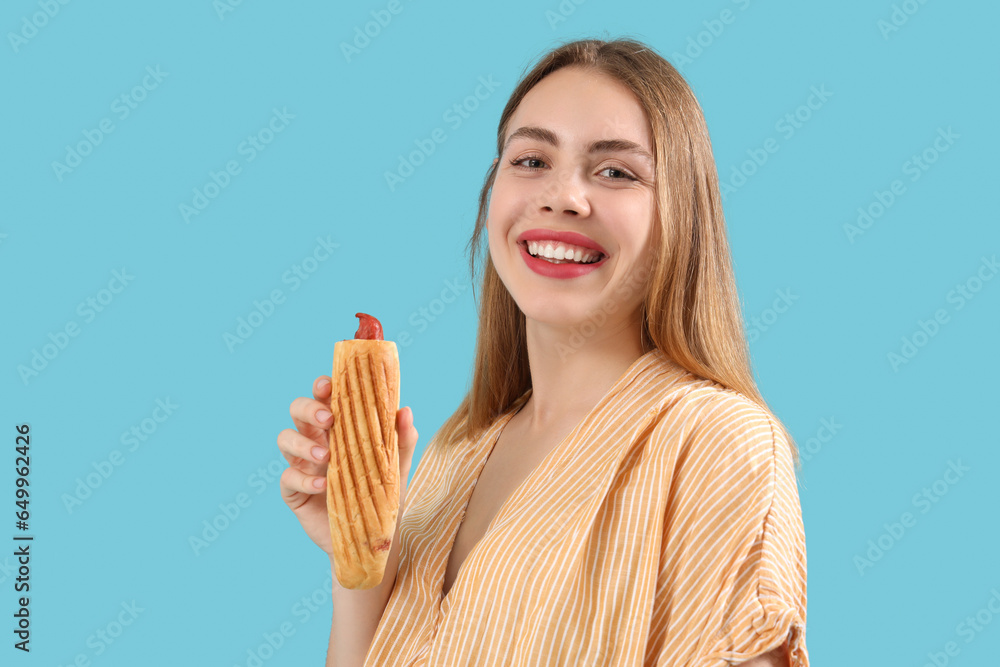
664, 530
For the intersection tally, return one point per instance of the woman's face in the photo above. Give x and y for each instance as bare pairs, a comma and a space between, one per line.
575, 182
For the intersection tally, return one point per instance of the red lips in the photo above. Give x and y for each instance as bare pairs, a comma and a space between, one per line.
572, 238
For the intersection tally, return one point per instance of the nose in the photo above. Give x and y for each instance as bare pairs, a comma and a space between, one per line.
565, 193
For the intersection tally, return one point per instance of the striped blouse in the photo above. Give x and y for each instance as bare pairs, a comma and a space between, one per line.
664, 530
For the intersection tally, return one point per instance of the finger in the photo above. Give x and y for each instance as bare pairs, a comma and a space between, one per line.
310, 416
295, 481
322, 389
302, 452
407, 435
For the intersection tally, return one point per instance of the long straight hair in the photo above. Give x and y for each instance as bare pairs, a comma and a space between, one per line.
691, 310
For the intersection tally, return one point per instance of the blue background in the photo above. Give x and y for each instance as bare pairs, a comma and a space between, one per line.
854, 297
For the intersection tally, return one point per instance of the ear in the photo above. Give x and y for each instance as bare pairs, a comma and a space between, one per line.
495, 160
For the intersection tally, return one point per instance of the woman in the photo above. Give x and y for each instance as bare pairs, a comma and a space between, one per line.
613, 489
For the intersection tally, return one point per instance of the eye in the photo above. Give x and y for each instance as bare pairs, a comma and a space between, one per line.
617, 173
519, 162
622, 173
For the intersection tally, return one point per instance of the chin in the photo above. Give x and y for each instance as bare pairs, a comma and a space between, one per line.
557, 312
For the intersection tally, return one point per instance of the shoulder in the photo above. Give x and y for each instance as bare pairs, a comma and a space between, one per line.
726, 417
701, 421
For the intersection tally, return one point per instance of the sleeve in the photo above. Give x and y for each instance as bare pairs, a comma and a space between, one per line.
732, 579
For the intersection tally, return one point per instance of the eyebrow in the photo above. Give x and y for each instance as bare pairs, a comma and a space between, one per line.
599, 146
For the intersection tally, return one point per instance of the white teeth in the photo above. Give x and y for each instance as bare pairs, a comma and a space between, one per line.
561, 252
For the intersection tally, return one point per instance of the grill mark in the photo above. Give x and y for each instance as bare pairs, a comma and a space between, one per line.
345, 513
368, 515
374, 422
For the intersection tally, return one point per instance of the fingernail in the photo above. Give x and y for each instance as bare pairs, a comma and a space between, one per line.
318, 453
323, 384
319, 482
323, 415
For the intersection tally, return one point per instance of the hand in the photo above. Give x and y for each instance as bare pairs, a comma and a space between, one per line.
307, 450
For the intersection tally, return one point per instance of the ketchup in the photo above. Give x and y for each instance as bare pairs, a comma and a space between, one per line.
368, 328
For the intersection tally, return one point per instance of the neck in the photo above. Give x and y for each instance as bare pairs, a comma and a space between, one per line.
571, 373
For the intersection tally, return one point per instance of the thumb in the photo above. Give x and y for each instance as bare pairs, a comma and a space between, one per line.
407, 437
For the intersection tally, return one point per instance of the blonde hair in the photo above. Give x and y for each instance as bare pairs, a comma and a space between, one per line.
691, 310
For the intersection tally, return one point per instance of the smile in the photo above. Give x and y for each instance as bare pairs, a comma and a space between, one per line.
560, 268
561, 253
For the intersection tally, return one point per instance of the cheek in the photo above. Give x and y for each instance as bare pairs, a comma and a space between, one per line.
499, 217
514, 200
495, 234
499, 200
644, 230
632, 224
